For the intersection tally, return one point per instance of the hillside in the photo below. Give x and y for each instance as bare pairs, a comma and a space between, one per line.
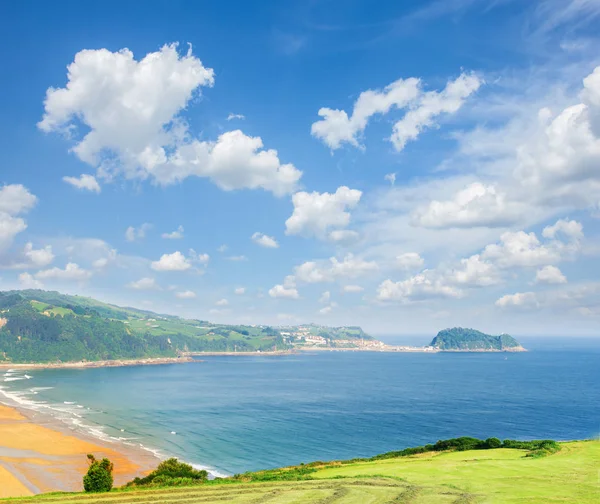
45, 326
459, 338
502, 475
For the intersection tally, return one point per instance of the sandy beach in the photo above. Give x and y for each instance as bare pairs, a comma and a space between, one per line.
39, 455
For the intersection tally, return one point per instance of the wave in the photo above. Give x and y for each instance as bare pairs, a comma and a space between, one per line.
14, 378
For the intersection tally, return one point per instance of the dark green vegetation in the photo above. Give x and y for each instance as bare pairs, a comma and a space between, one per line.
171, 472
99, 476
43, 326
459, 338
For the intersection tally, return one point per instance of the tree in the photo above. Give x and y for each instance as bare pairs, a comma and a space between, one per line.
99, 476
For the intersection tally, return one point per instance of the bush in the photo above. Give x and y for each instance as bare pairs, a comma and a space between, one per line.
492, 443
171, 472
99, 476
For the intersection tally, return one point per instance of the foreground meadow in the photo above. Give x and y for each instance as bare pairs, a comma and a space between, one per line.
475, 476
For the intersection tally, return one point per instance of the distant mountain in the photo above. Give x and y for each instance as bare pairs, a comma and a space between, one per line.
459, 338
46, 326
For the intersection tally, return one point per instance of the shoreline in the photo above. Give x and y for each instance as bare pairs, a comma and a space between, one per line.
39, 453
149, 361
188, 357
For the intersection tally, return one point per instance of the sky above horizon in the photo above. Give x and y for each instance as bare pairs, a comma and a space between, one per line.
402, 166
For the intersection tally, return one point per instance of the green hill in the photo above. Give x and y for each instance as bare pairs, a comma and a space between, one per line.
503, 475
44, 326
459, 338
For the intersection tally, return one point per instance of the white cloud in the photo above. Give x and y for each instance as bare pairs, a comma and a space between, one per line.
418, 287
15, 199
85, 182
521, 249
133, 233
222, 248
145, 283
326, 310
222, 302
409, 260
475, 205
523, 300
188, 294
238, 258
71, 272
283, 292
352, 289
323, 271
316, 213
27, 281
264, 240
474, 272
239, 291
33, 258
199, 258
231, 117
174, 235
172, 262
550, 275
391, 178
132, 108
572, 230
432, 104
325, 297
337, 128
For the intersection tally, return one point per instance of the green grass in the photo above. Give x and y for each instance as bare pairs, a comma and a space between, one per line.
460, 477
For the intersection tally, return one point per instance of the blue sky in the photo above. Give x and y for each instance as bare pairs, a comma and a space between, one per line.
404, 167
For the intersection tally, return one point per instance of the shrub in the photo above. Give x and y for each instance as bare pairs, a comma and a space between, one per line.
492, 443
171, 472
99, 476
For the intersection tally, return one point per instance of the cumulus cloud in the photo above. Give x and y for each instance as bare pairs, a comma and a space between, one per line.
334, 269
132, 233
188, 294
409, 260
222, 302
85, 182
71, 272
132, 111
418, 287
475, 205
239, 291
336, 127
264, 240
432, 104
172, 262
391, 178
32, 258
473, 272
283, 292
570, 229
174, 235
15, 200
28, 281
145, 283
521, 249
550, 275
315, 214
237, 258
343, 236
521, 300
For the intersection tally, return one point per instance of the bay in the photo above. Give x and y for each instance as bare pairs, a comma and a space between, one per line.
234, 414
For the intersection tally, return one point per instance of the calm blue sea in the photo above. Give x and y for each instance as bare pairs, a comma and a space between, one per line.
233, 414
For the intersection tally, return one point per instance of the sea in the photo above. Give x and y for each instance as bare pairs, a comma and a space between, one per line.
236, 414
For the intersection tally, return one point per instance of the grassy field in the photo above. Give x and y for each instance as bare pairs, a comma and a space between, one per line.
468, 477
